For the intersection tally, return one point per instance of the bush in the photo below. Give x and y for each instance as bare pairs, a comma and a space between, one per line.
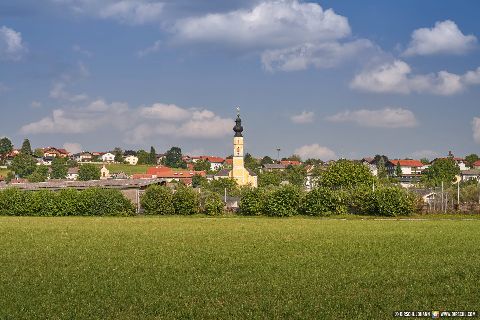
394, 201
346, 174
68, 202
283, 201
211, 204
157, 200
185, 201
12, 202
323, 202
252, 201
360, 201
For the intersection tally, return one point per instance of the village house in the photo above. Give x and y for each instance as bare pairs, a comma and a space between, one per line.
476, 164
52, 152
169, 174
411, 171
371, 164
473, 174
108, 157
72, 173
216, 163
83, 157
131, 159
287, 163
270, 167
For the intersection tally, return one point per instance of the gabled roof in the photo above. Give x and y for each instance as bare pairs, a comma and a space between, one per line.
274, 166
290, 162
476, 163
223, 173
407, 163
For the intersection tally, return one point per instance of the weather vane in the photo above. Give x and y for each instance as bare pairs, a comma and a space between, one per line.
238, 111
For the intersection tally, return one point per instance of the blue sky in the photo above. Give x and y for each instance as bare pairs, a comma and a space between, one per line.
323, 79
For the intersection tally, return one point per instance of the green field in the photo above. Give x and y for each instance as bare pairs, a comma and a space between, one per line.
4, 172
234, 268
127, 168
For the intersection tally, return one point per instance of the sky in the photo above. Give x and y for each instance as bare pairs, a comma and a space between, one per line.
321, 79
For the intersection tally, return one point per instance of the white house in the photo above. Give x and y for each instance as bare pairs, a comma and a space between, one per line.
108, 157
72, 174
409, 167
473, 174
216, 163
131, 160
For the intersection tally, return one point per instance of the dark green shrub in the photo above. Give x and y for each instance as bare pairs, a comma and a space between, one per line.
68, 200
103, 202
394, 201
323, 202
252, 201
43, 203
211, 204
157, 200
360, 201
283, 201
186, 201
12, 202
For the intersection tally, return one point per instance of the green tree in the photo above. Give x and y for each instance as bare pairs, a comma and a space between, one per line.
39, 175
152, 157
88, 172
23, 165
26, 147
118, 153
296, 175
273, 178
381, 169
202, 165
211, 204
398, 170
283, 201
250, 162
6, 147
266, 160
198, 181
186, 201
252, 201
59, 168
157, 200
323, 202
442, 170
218, 186
173, 158
424, 161
471, 158
38, 152
346, 174
143, 157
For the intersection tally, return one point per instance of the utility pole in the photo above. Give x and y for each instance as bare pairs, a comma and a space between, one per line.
442, 197
278, 154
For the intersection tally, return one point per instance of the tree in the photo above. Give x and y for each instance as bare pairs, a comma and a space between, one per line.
6, 147
157, 200
381, 169
346, 174
442, 170
296, 175
23, 165
272, 178
398, 170
198, 181
38, 152
266, 160
143, 157
59, 168
202, 165
26, 147
118, 153
312, 161
186, 201
152, 157
250, 162
88, 172
173, 158
424, 161
471, 158
39, 175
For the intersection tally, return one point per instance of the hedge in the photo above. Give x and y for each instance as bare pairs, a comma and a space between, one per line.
157, 200
67, 202
323, 202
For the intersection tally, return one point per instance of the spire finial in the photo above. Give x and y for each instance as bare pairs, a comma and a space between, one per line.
238, 111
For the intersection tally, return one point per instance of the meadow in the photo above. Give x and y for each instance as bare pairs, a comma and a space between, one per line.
235, 267
127, 168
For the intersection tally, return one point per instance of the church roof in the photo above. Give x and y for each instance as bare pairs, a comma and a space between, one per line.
223, 173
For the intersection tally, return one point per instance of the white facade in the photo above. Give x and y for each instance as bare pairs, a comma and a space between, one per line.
104, 173
214, 166
108, 157
131, 160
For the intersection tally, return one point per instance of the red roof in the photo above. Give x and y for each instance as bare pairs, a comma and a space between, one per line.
476, 163
407, 163
212, 159
166, 172
142, 176
229, 161
290, 162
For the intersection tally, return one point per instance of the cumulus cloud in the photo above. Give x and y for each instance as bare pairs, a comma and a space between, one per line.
319, 55
315, 151
303, 117
12, 46
36, 104
397, 77
476, 129
73, 147
59, 88
444, 37
134, 124
153, 48
383, 118
126, 11
269, 24
76, 48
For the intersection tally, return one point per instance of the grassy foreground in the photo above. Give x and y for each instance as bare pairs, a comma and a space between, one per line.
234, 268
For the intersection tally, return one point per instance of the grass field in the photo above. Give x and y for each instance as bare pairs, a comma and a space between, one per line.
234, 268
127, 168
4, 172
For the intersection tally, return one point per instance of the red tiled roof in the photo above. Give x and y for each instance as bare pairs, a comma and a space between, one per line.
212, 159
407, 163
142, 176
229, 161
290, 162
476, 163
166, 172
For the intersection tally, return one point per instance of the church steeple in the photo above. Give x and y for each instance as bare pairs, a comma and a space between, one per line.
238, 129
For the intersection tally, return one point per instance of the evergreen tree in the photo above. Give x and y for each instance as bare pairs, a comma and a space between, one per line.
6, 147
398, 170
118, 154
173, 158
143, 157
23, 165
381, 169
152, 156
39, 175
471, 158
26, 147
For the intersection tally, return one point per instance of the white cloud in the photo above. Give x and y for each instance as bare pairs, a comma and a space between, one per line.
383, 118
320, 55
126, 11
303, 117
315, 151
153, 48
269, 24
444, 37
73, 147
476, 129
134, 124
36, 104
59, 92
169, 112
397, 77
12, 46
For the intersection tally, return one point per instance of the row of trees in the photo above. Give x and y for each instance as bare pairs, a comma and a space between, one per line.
67, 202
